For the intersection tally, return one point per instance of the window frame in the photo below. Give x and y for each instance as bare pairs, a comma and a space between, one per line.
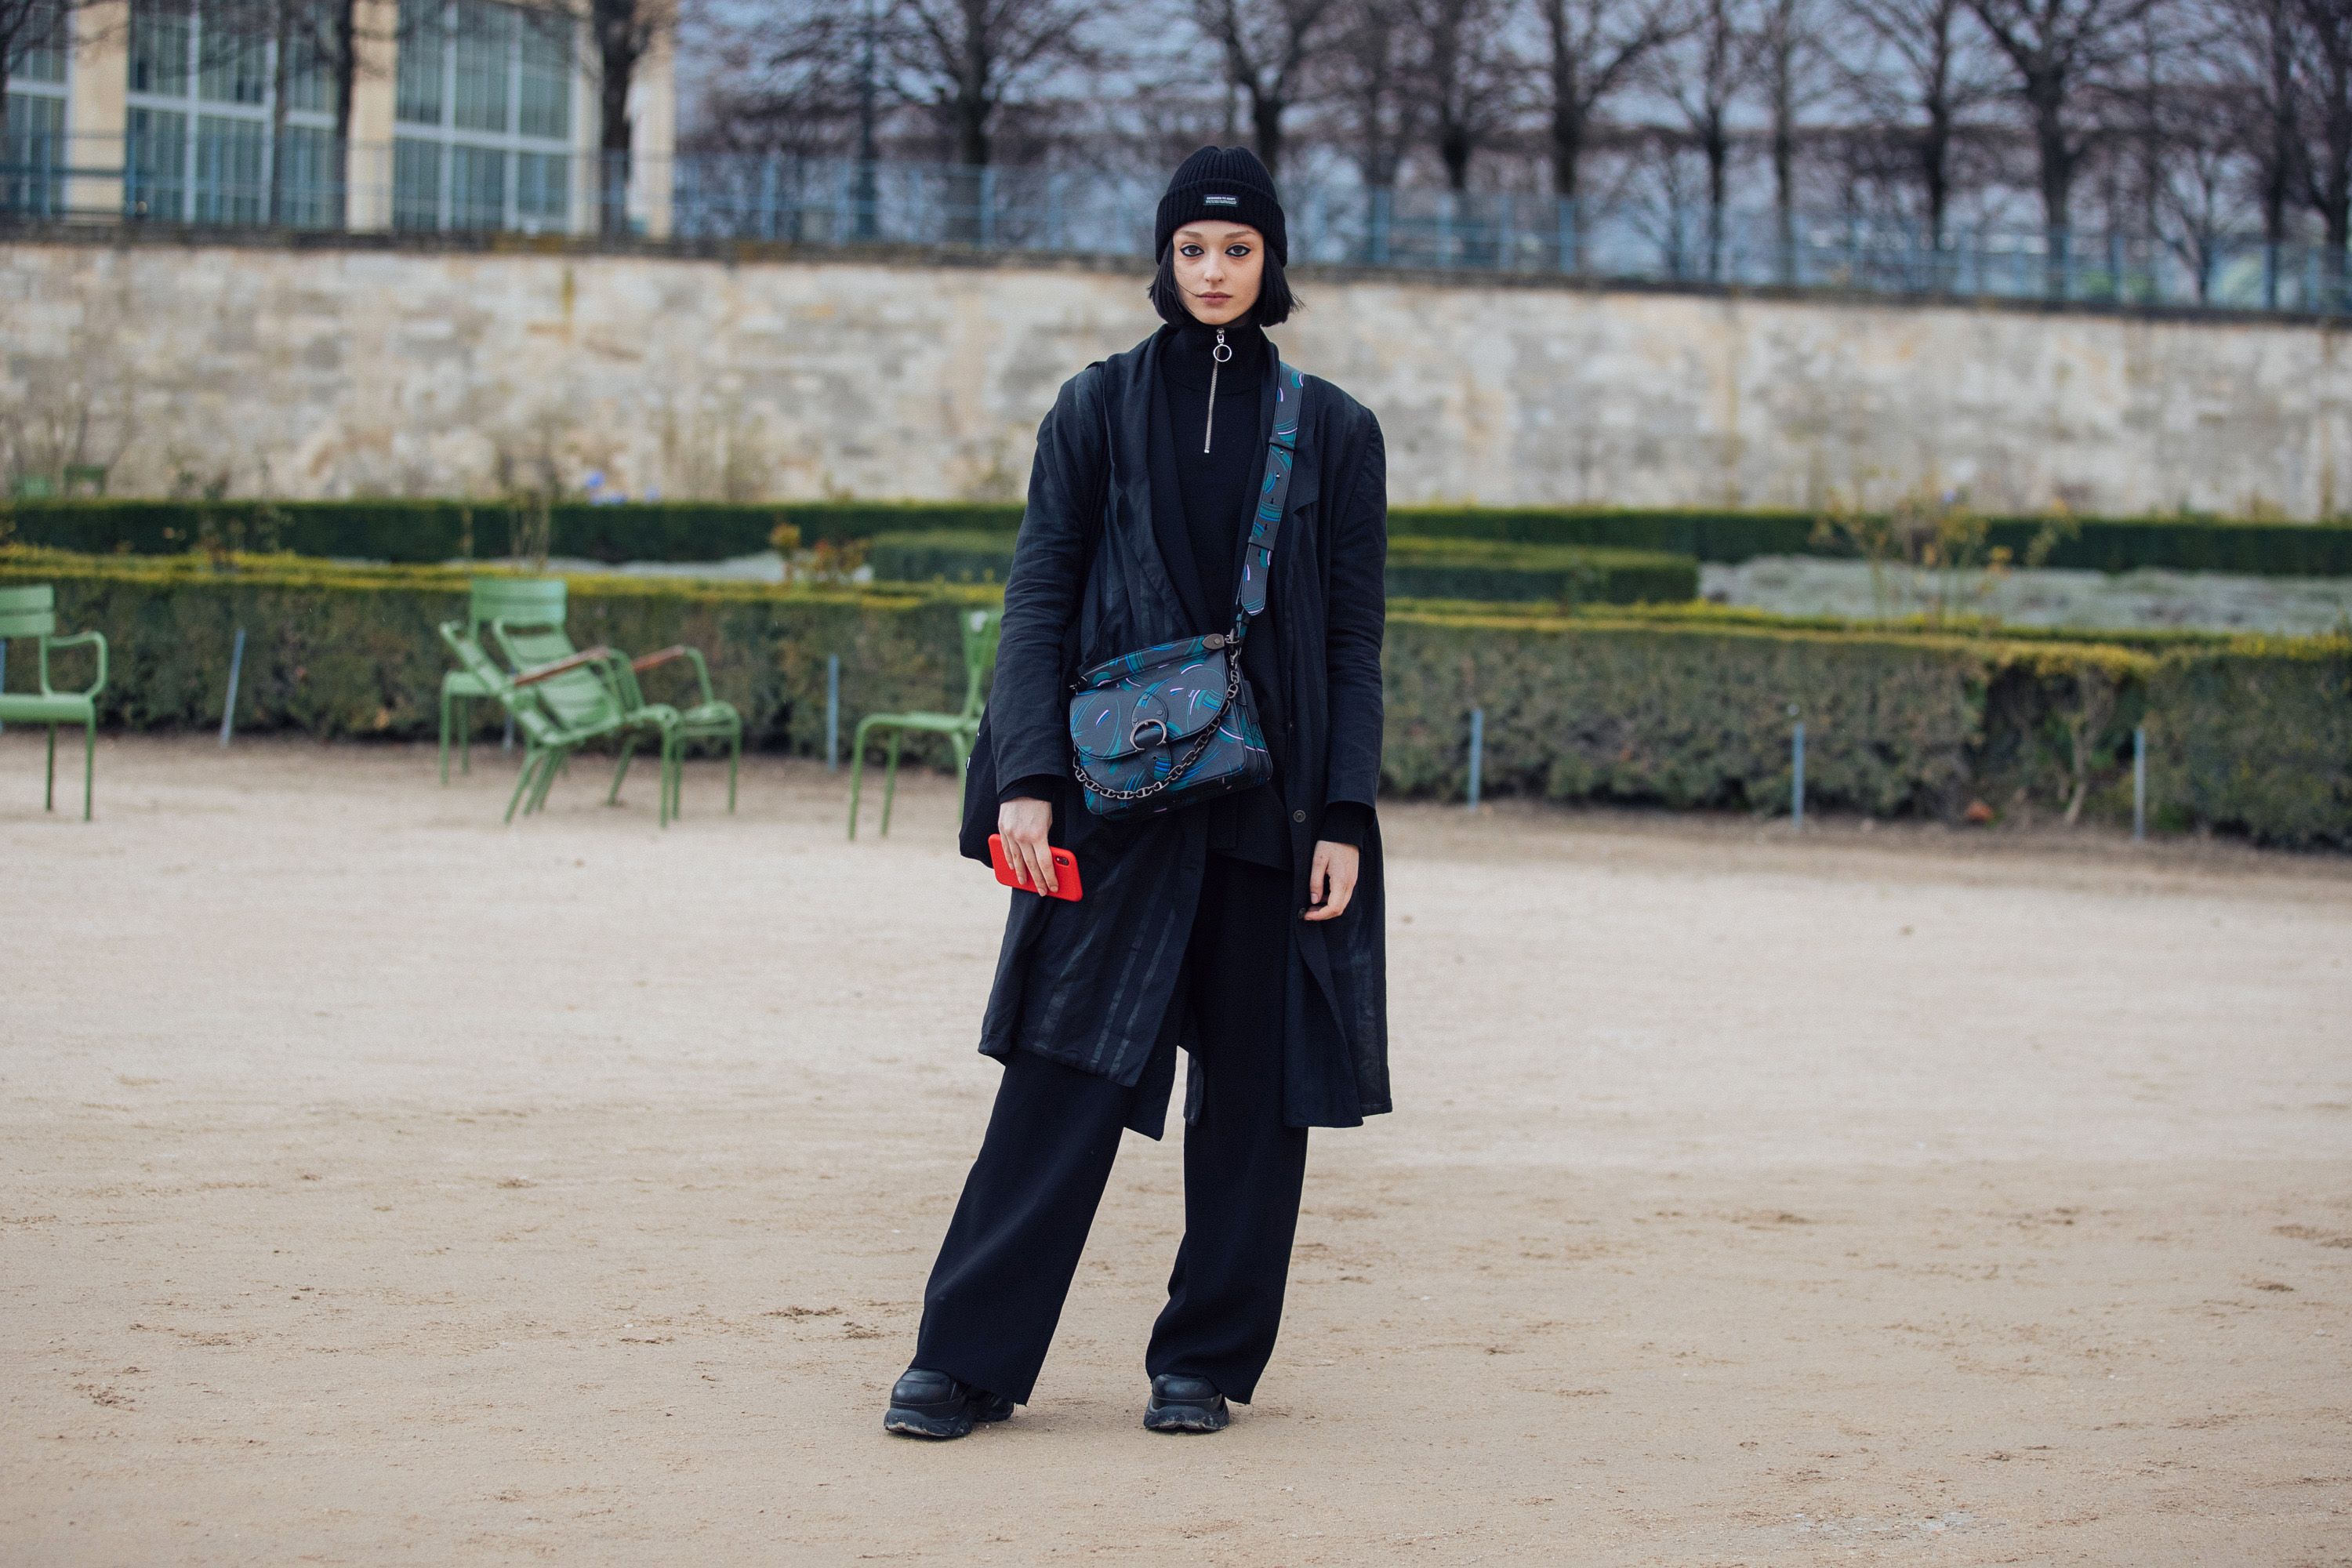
212, 132
457, 155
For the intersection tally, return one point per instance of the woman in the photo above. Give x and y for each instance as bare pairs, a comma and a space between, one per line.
1246, 930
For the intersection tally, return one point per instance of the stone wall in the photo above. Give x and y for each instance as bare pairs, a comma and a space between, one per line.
325, 371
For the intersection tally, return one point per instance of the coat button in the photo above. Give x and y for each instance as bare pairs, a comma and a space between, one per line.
1297, 817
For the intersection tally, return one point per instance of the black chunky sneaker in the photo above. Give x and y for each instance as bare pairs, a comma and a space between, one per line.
1181, 1404
933, 1404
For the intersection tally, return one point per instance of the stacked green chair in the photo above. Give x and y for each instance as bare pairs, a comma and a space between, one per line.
516, 597
980, 631
585, 695
545, 743
31, 611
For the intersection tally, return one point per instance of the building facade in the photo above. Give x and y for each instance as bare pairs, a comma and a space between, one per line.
464, 114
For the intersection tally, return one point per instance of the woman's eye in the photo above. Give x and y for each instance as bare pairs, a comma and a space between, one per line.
1237, 250
1187, 250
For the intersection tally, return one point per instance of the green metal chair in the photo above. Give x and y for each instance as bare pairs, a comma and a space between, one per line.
707, 719
515, 598
545, 743
586, 695
32, 613
981, 630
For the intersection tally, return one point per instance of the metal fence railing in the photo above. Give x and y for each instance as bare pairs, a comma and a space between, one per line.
436, 182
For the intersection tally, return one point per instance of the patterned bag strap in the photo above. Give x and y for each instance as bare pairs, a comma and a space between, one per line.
1265, 526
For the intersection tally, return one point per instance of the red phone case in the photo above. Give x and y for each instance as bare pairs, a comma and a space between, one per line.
1065, 869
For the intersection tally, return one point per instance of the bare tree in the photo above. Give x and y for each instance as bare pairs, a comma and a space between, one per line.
2057, 51
1594, 50
968, 60
1269, 47
786, 76
2324, 101
1369, 79
2202, 168
1466, 77
2260, 37
1788, 71
617, 37
1705, 74
1913, 70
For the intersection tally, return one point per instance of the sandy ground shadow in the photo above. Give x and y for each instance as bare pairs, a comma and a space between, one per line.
384, 1186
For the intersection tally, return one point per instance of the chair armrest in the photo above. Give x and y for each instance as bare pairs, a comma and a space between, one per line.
596, 655
679, 650
78, 639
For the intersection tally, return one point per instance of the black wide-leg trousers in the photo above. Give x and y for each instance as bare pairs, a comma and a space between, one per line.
1004, 1270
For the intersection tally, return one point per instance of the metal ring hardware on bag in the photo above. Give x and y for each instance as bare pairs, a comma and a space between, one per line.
1232, 684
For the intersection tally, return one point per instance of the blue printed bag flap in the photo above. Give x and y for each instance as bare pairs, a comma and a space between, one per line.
1152, 697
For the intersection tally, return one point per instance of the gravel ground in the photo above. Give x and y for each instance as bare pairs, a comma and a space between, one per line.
384, 1186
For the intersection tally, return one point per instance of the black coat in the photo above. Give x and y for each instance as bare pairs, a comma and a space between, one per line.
1092, 984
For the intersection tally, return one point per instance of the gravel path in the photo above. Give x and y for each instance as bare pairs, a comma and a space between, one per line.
383, 1186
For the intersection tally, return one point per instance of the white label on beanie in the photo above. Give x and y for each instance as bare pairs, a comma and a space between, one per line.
1220, 201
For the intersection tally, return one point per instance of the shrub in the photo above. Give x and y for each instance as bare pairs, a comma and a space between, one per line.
1417, 568
421, 532
2091, 544
941, 555
1497, 571
1685, 706
2255, 736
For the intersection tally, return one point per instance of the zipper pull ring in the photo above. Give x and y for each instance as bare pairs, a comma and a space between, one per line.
1217, 357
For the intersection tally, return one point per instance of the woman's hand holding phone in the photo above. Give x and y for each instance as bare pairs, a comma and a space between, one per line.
1023, 823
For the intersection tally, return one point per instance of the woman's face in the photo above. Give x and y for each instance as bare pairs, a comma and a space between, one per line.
1218, 267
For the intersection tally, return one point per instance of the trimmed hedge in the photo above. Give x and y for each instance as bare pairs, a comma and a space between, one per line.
1484, 570
1682, 706
2095, 543
941, 555
434, 530
870, 519
337, 651
1501, 571
402, 533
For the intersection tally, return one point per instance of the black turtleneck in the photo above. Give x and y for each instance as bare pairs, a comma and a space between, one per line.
1217, 484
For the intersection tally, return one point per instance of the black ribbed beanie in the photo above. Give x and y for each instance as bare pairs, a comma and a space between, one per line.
1226, 182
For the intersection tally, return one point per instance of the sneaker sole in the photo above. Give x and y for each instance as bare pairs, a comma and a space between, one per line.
919, 1423
1185, 1418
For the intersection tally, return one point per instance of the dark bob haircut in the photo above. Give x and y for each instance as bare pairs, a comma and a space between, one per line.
1274, 300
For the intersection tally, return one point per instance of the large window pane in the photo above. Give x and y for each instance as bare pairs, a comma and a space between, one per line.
416, 184
423, 53
161, 34
42, 40
309, 84
307, 175
546, 109
233, 58
230, 186
154, 159
486, 36
32, 154
542, 189
478, 187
